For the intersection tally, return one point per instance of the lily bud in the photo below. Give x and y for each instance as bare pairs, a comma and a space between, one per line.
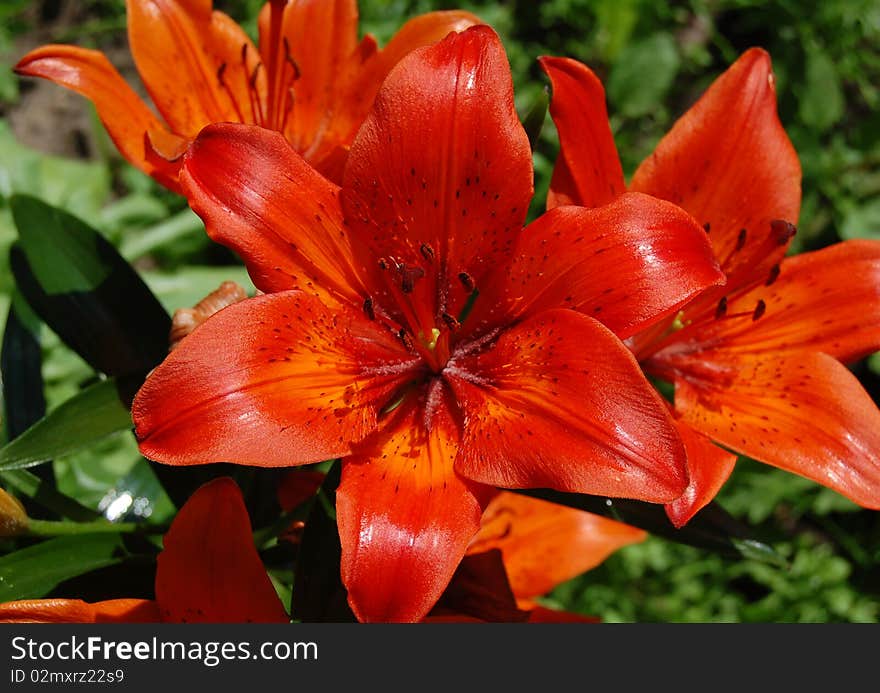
13, 518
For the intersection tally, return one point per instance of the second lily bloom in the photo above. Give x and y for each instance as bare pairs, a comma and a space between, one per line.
757, 363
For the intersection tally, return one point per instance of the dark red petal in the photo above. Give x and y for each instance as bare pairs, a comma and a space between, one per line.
405, 518
260, 198
544, 544
78, 611
209, 570
588, 170
180, 49
442, 161
730, 164
803, 412
275, 380
708, 468
127, 118
827, 300
628, 264
559, 402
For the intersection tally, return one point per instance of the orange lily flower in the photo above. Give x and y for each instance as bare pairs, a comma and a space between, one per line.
311, 79
412, 326
211, 530
758, 363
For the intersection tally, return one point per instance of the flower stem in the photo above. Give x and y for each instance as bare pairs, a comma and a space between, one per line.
53, 528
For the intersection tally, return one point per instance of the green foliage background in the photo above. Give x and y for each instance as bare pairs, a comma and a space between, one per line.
655, 59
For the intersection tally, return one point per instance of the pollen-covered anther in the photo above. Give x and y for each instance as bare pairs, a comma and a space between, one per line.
760, 309
409, 276
773, 276
450, 321
784, 230
466, 281
404, 337
368, 308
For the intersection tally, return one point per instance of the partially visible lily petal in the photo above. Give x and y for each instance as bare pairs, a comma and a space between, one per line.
277, 212
544, 544
559, 402
588, 171
803, 412
709, 467
729, 162
78, 611
442, 168
405, 517
290, 376
124, 114
209, 570
576, 257
827, 300
190, 61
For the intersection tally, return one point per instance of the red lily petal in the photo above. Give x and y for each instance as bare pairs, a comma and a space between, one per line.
275, 380
209, 570
180, 48
280, 215
78, 611
405, 518
464, 196
803, 412
575, 257
322, 37
588, 171
544, 544
559, 402
730, 164
827, 300
708, 468
127, 118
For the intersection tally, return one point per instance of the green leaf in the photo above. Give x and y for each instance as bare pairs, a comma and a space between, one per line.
85, 291
33, 572
93, 414
21, 363
822, 102
44, 493
642, 75
862, 221
712, 528
318, 593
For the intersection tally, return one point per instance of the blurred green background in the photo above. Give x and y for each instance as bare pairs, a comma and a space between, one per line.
655, 59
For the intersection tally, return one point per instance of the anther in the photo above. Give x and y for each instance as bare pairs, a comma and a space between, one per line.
721, 310
466, 281
774, 275
408, 277
784, 230
254, 74
220, 71
427, 252
451, 322
404, 337
760, 309
741, 240
288, 58
368, 308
